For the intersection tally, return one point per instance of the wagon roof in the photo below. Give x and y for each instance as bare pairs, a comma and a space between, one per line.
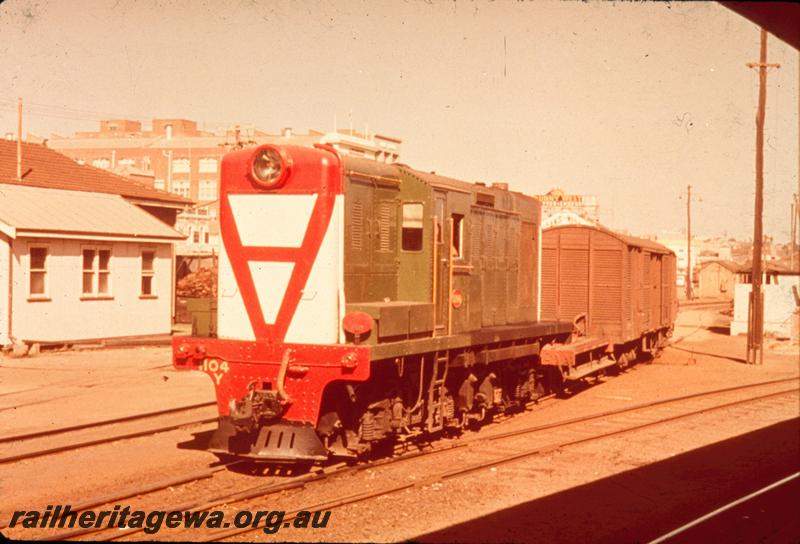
632, 241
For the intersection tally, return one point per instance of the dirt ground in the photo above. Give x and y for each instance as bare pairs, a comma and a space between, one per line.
625, 489
62, 388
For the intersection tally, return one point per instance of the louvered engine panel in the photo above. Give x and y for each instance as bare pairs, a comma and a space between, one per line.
501, 235
512, 273
490, 271
527, 265
549, 302
386, 220
357, 222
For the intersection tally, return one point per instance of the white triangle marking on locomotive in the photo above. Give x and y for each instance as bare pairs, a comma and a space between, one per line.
272, 220
233, 321
271, 280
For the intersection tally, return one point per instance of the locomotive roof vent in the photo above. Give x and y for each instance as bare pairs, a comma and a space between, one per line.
503, 186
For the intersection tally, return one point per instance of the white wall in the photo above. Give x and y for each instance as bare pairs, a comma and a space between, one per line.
66, 317
779, 306
5, 255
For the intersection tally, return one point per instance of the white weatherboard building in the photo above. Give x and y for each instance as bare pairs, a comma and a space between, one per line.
77, 266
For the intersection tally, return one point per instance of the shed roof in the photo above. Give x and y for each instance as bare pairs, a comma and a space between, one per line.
730, 265
769, 267
34, 211
44, 167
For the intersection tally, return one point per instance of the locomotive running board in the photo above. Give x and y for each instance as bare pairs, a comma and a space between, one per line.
282, 442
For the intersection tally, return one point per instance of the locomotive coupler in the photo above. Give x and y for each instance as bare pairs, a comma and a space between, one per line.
257, 406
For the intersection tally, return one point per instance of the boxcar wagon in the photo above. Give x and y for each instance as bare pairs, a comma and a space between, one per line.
619, 291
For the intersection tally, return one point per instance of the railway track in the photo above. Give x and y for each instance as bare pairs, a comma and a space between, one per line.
584, 436
586, 427
48, 442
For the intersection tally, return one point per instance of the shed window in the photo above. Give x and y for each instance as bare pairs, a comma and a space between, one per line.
458, 235
96, 271
148, 271
412, 227
38, 272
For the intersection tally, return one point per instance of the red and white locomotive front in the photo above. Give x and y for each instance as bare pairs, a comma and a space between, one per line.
280, 303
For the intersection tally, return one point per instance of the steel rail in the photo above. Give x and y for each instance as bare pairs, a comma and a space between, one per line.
158, 485
301, 481
97, 441
124, 419
462, 471
248, 493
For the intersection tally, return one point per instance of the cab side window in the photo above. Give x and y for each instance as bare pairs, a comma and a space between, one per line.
412, 227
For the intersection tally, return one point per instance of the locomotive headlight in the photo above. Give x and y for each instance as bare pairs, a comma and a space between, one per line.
269, 168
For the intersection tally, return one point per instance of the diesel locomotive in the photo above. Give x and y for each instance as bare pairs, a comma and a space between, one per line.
363, 303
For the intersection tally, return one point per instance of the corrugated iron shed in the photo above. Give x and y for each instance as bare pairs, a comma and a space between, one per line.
34, 211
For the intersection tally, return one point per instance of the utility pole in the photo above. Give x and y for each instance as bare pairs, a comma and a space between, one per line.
19, 139
688, 288
796, 211
689, 242
795, 217
755, 332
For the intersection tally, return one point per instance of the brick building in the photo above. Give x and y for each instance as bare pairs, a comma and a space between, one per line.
176, 156
560, 208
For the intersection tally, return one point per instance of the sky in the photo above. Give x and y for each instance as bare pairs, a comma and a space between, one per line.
631, 102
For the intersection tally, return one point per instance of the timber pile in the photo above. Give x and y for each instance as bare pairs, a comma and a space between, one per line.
202, 283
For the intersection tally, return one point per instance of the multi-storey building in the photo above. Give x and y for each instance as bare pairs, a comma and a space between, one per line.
559, 208
177, 156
